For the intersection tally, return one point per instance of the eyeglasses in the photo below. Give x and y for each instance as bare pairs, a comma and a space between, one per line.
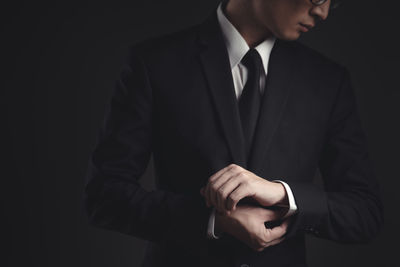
334, 3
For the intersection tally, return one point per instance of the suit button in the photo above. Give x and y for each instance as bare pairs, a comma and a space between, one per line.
244, 265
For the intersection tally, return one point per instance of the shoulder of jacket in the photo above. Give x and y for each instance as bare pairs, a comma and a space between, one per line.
315, 59
164, 44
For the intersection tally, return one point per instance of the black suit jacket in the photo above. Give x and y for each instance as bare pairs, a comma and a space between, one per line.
175, 100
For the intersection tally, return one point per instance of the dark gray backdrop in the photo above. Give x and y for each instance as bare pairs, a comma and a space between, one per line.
59, 63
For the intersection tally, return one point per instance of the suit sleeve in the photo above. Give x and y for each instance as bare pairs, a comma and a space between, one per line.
113, 197
348, 209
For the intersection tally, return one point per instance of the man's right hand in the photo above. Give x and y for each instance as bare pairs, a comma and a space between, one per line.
246, 223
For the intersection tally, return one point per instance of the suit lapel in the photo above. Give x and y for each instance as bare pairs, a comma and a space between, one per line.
279, 83
281, 73
216, 66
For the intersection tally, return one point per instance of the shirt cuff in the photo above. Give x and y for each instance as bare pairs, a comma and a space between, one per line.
292, 203
211, 226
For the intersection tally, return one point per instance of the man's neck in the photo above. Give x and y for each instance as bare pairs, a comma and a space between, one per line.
240, 16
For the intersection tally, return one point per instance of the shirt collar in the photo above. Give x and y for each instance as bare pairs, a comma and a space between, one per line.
237, 46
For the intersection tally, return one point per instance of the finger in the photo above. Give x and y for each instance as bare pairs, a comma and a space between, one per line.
212, 179
208, 193
260, 247
215, 189
224, 191
204, 193
274, 242
239, 193
271, 215
206, 196
217, 183
278, 231
221, 171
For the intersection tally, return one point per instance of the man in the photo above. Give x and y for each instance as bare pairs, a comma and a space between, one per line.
239, 117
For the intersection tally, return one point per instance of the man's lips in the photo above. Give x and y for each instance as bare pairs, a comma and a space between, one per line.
306, 27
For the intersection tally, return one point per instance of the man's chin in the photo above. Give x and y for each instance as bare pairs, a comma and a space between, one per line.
292, 36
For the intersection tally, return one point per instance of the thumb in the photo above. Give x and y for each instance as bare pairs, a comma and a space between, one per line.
271, 215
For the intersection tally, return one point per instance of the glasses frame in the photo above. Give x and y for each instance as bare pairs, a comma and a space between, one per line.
334, 4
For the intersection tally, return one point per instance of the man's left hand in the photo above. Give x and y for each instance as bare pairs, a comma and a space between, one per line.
229, 185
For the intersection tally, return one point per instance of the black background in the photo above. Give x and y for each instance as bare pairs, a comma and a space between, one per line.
60, 60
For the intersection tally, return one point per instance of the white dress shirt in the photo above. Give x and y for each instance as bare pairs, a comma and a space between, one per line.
237, 48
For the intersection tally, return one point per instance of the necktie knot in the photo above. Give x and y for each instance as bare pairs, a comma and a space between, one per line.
252, 60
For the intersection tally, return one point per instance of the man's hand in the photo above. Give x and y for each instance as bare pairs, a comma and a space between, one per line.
229, 185
246, 223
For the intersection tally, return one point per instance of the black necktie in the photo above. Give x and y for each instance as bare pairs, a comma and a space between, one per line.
250, 100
